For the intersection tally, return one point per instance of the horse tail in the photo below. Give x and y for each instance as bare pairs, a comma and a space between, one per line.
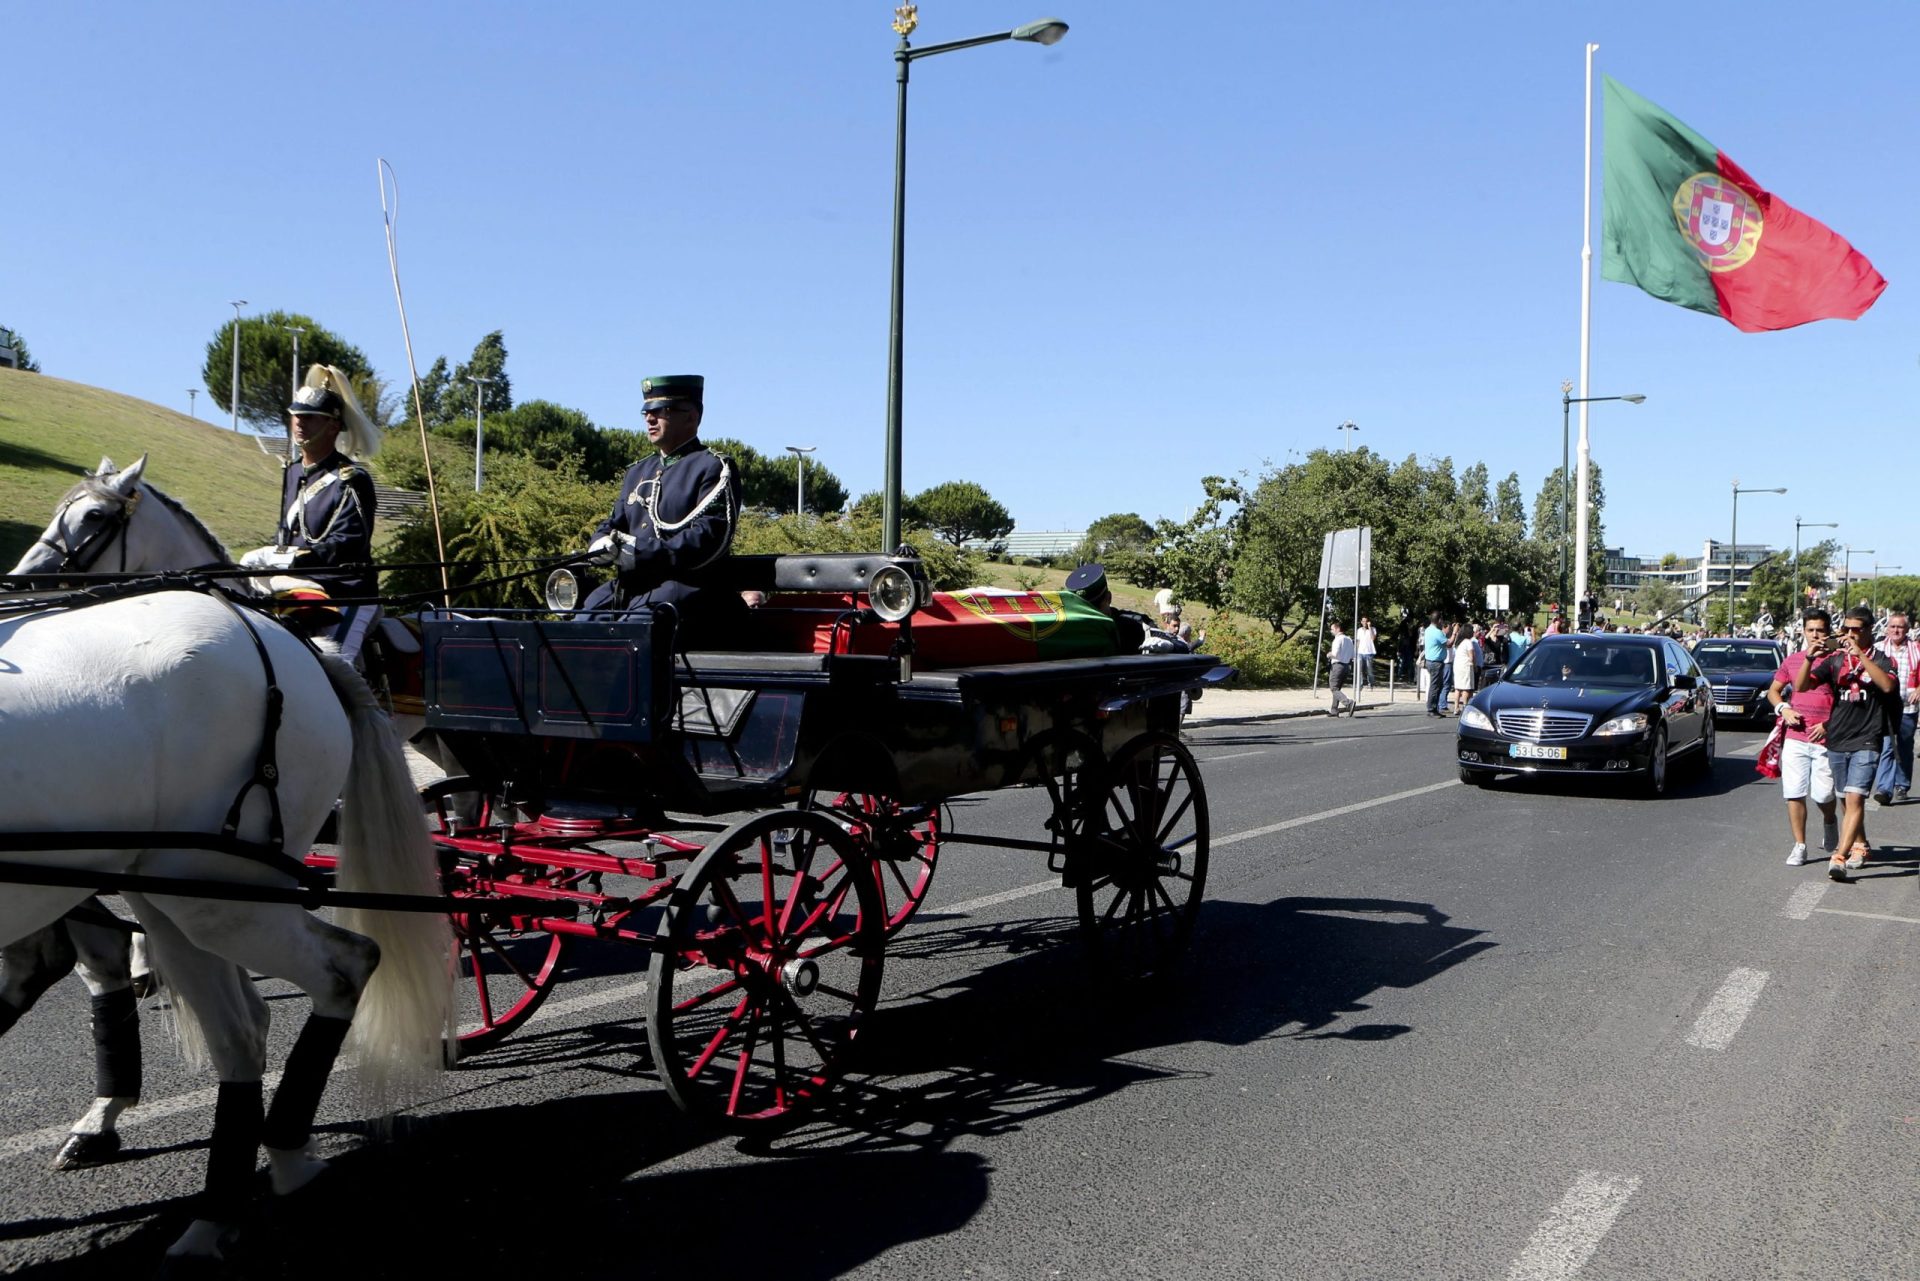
400, 1028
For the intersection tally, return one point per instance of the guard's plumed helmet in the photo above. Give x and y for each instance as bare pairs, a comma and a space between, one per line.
327, 391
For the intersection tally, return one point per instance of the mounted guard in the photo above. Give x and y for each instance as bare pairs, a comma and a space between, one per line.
325, 535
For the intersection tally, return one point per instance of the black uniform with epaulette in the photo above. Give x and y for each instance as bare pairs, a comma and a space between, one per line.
326, 516
680, 509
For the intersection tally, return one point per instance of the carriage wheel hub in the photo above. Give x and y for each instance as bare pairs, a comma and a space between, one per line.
801, 976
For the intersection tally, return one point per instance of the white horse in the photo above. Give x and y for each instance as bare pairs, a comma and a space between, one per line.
171, 688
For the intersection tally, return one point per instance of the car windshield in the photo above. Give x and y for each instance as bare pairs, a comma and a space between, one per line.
1586, 662
1736, 658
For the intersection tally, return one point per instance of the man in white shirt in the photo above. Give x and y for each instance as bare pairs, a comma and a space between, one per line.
1366, 644
1340, 670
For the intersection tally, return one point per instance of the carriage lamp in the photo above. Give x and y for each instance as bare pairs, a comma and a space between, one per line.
892, 593
563, 591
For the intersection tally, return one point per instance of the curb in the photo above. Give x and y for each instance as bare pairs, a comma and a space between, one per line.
1251, 718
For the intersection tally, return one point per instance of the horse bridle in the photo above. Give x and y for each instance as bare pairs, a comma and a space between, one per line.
81, 558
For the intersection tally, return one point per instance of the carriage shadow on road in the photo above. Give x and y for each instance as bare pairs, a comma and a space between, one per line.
1006, 1044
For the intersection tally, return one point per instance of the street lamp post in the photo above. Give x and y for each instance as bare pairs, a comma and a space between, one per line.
296, 331
905, 19
1733, 546
234, 402
1798, 525
1348, 427
1846, 573
800, 453
1567, 401
479, 417
192, 393
1874, 603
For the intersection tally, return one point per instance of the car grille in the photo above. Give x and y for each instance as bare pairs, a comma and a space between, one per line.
1539, 725
1728, 692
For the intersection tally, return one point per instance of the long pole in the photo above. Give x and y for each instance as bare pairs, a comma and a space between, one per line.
479, 424
1796, 567
1566, 481
192, 395
1733, 556
233, 400
890, 500
387, 215
296, 331
1584, 496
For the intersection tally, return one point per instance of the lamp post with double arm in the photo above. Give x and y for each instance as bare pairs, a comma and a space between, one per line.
1567, 401
905, 19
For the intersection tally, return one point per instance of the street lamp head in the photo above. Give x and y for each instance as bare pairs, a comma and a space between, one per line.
1045, 31
1635, 399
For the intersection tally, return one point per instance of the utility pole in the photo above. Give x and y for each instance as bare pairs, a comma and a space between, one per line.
234, 401
800, 453
479, 417
191, 393
296, 331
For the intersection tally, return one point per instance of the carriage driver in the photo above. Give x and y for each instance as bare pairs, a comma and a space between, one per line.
673, 519
326, 505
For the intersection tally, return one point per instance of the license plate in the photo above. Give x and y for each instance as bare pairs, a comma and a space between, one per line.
1535, 752
1731, 709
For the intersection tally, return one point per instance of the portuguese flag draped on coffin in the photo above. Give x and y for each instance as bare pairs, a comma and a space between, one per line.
1686, 224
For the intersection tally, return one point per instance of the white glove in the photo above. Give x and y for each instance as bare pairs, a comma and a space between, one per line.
615, 549
268, 558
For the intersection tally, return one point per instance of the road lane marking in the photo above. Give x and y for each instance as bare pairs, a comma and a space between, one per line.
1804, 900
140, 1114
1721, 1020
1004, 896
1323, 815
1745, 749
1561, 1246
1232, 756
1871, 916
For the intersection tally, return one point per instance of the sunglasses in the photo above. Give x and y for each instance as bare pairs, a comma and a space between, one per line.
1854, 627
677, 407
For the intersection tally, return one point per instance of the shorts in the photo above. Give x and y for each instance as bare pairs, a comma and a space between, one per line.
1854, 771
1804, 769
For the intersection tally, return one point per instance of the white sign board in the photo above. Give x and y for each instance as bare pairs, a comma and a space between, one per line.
1497, 595
1346, 558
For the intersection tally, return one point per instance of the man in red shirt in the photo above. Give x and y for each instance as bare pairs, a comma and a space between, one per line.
1803, 756
1864, 704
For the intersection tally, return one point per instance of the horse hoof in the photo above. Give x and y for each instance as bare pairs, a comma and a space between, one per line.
84, 1151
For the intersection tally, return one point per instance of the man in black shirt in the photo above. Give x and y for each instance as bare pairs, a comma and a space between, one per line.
1862, 680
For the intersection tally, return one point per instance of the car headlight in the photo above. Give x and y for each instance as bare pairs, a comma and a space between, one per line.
1474, 718
1632, 723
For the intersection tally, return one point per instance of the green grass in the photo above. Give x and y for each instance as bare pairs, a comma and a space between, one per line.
52, 430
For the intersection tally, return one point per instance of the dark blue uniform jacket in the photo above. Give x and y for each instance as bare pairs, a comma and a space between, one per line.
326, 512
681, 510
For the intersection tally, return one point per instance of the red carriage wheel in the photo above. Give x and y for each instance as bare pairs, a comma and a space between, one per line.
1140, 865
770, 963
904, 842
502, 974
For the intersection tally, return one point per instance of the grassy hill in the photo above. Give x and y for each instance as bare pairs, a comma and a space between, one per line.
52, 430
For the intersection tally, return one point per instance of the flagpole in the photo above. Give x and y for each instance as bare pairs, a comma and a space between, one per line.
1585, 493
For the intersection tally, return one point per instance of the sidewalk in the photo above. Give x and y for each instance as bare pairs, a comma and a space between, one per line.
1225, 706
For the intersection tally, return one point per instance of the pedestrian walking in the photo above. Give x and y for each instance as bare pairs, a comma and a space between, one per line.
1896, 754
1433, 657
1864, 704
1804, 772
1466, 666
1340, 669
1366, 648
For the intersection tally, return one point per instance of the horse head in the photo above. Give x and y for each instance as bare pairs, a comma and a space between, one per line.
113, 521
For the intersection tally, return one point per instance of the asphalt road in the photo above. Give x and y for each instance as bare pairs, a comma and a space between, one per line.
1426, 1031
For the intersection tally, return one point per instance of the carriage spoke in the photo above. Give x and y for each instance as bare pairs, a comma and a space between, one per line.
494, 945
1186, 804
701, 998
740, 1064
727, 1028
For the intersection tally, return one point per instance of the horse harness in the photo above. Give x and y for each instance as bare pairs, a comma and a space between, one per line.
266, 767
81, 557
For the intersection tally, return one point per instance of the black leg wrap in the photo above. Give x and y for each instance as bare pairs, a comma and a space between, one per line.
290, 1123
9, 1015
116, 1045
234, 1153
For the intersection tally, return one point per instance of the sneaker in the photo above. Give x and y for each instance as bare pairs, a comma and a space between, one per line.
1883, 798
1837, 868
1798, 858
1830, 836
1899, 796
1857, 858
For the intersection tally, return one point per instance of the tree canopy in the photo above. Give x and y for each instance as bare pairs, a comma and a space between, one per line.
266, 364
960, 509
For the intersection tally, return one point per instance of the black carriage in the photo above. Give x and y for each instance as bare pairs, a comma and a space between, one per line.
599, 759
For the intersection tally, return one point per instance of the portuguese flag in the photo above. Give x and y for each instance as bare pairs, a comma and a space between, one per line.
1686, 224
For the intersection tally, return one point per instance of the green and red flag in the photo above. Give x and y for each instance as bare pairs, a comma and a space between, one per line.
1688, 225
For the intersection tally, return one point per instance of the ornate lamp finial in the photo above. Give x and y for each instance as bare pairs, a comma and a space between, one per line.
905, 19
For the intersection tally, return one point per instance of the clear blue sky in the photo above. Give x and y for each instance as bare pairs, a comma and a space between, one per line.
1152, 252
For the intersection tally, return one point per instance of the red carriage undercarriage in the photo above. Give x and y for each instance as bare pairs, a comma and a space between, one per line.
598, 758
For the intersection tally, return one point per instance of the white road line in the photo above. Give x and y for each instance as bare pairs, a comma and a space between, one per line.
592, 1001
1871, 916
1721, 1020
1745, 749
1561, 1246
158, 1110
1323, 815
1004, 896
1232, 756
1805, 900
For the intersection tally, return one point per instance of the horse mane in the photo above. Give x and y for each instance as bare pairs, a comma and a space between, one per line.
98, 488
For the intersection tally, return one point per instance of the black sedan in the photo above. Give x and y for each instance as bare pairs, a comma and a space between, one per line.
1601, 703
1740, 671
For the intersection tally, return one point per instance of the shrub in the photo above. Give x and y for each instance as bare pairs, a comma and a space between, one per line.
1263, 659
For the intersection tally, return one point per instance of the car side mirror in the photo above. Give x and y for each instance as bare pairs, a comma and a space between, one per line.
1684, 680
